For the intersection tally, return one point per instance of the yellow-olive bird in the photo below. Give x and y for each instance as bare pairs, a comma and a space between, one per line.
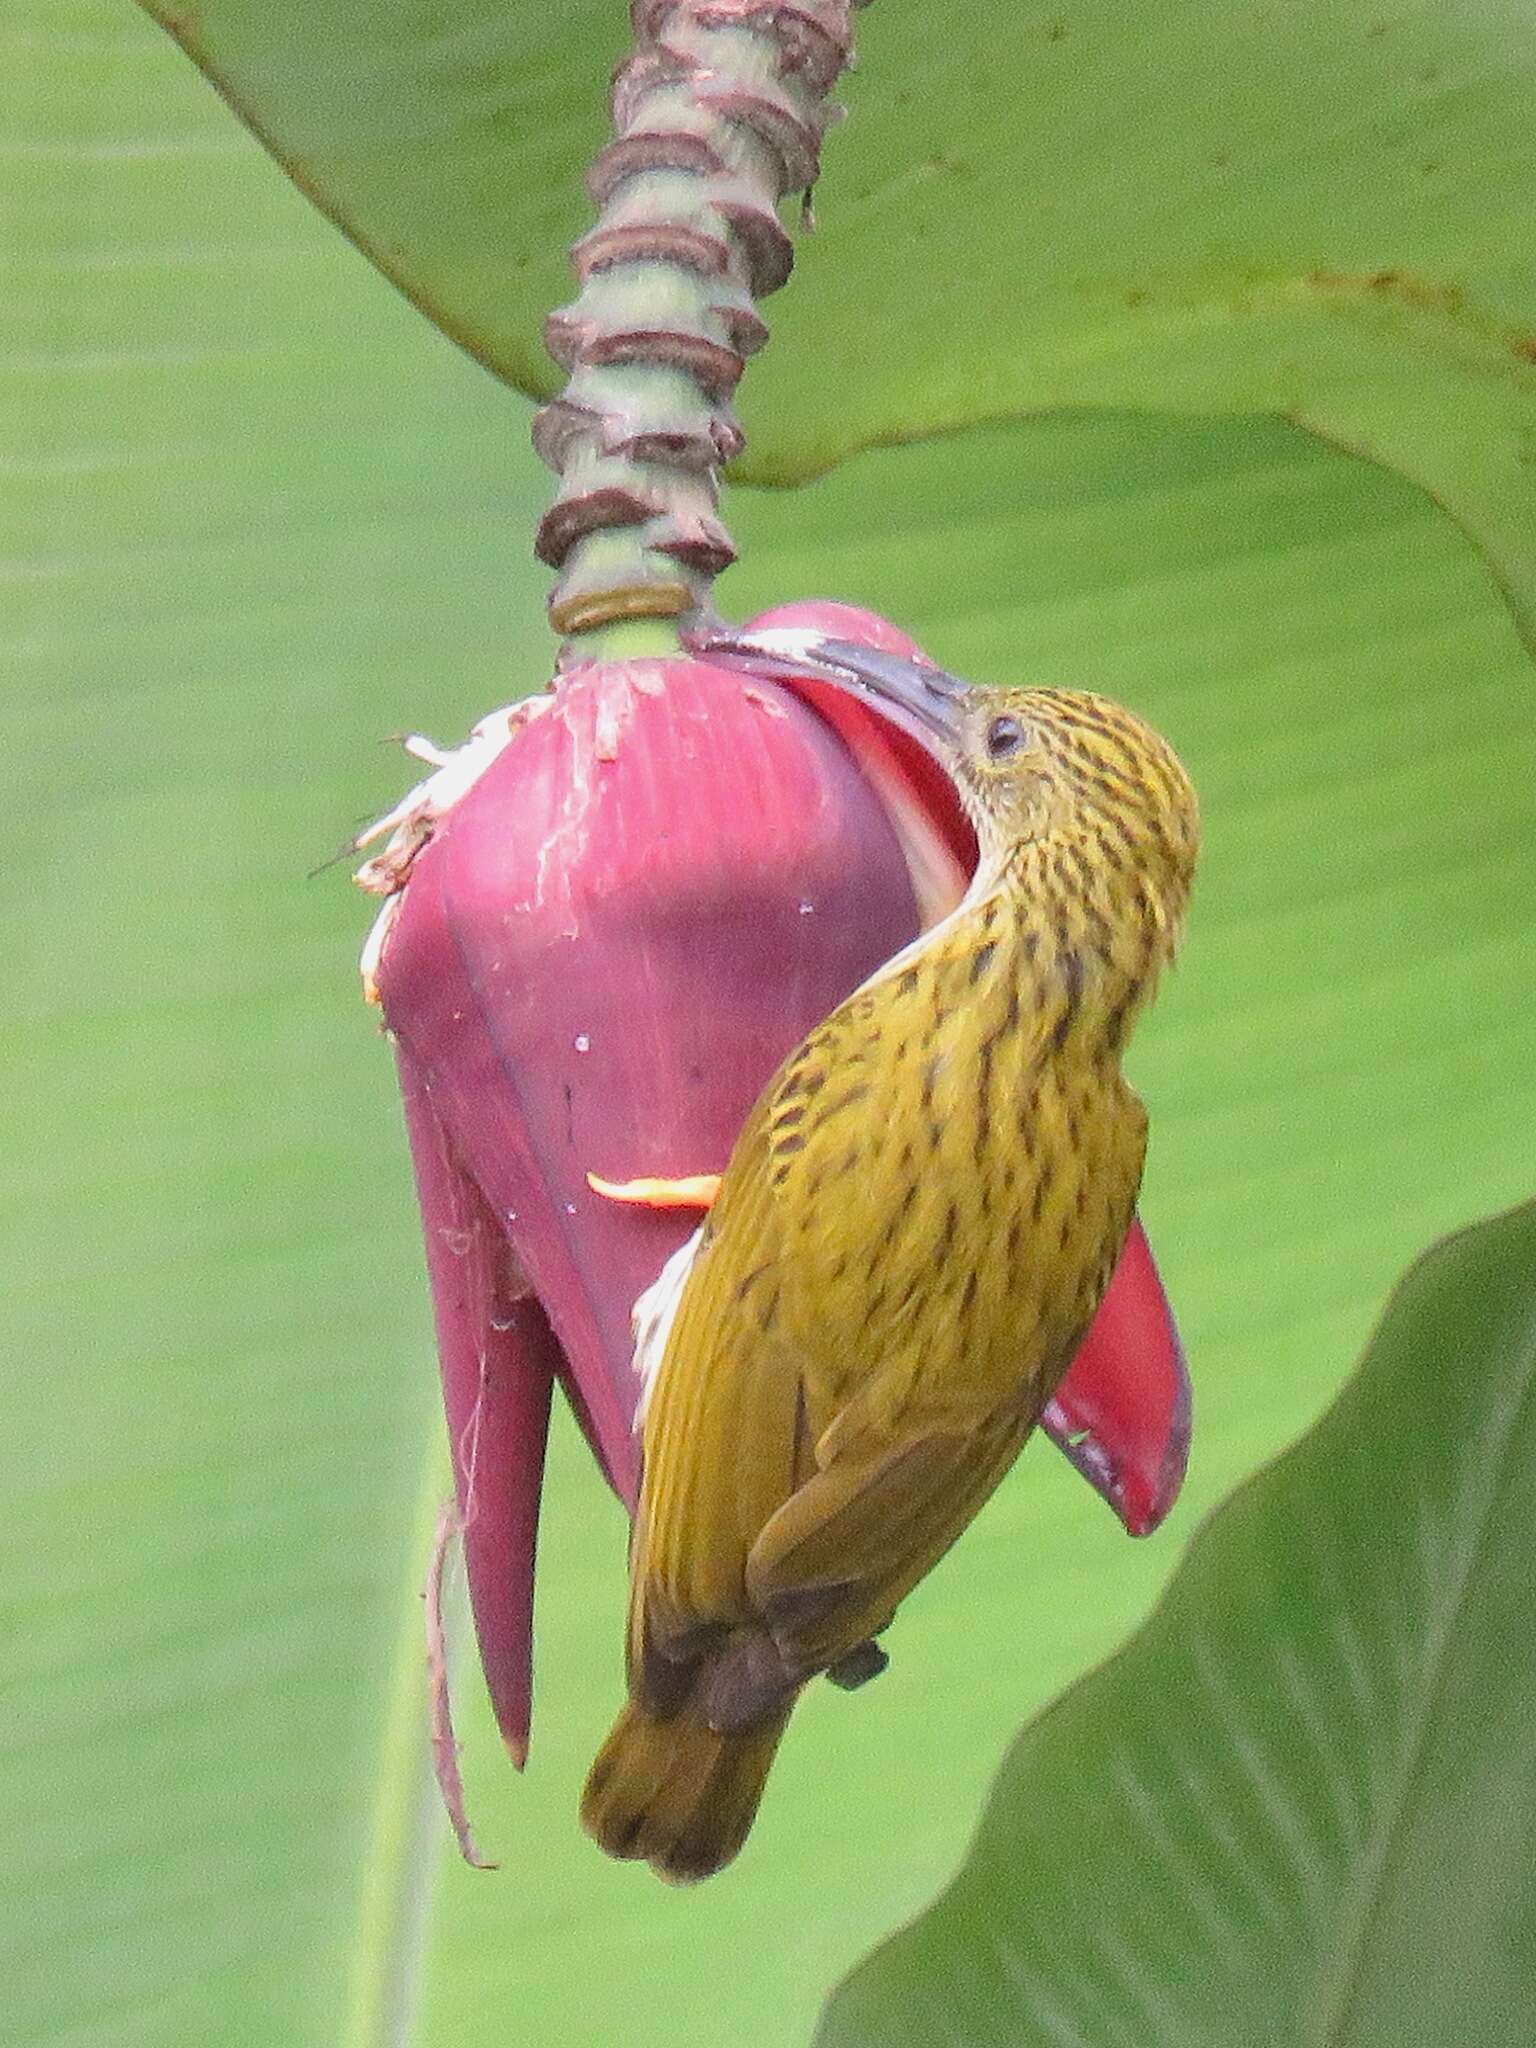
910, 1239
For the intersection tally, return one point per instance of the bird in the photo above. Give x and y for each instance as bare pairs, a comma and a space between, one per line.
910, 1238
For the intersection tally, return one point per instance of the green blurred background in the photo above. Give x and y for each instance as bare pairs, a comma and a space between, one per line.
258, 514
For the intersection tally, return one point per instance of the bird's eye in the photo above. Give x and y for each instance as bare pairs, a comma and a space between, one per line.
1005, 736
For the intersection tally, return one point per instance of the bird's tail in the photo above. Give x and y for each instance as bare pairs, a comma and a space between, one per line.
676, 1793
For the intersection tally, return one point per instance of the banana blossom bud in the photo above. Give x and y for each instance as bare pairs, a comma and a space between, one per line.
607, 918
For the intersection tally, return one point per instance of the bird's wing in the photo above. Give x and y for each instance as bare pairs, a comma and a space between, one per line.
727, 1438
741, 1394
836, 1560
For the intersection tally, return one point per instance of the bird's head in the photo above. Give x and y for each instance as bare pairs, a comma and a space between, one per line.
1073, 775
1060, 777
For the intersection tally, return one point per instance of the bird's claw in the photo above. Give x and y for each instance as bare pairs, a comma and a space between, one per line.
862, 1663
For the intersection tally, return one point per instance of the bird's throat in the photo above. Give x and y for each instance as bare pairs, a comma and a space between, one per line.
1083, 952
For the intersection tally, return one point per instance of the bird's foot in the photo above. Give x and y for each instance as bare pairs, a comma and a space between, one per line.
862, 1663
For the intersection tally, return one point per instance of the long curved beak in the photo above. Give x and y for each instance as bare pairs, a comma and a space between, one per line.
927, 702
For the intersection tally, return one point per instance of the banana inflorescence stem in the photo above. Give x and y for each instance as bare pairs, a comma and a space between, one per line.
718, 114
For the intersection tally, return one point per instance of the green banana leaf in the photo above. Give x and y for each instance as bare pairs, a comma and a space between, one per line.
1315, 208
1301, 1805
257, 514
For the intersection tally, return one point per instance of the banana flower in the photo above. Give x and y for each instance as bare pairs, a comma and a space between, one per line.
607, 918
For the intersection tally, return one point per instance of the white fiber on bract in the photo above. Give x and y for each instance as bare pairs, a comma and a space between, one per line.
374, 944
455, 771
445, 1747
